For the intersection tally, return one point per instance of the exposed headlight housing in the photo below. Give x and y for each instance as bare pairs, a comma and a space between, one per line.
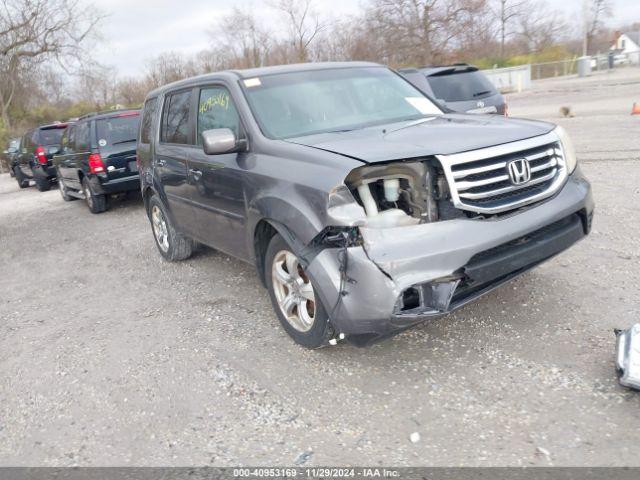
568, 151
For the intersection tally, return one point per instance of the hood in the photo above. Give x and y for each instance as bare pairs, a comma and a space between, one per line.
440, 135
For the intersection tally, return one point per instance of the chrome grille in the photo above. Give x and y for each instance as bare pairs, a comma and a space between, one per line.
479, 180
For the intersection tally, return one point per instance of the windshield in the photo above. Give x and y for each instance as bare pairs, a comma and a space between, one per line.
51, 136
461, 86
118, 130
305, 103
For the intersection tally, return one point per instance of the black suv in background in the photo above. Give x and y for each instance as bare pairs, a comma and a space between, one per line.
36, 152
98, 158
460, 87
11, 153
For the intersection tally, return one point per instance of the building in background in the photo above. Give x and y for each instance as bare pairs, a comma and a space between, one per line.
626, 47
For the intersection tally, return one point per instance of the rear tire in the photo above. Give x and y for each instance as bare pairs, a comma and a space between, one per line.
63, 191
172, 245
43, 184
22, 181
291, 290
97, 203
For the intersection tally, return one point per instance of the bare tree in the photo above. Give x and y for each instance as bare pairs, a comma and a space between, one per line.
34, 31
166, 68
240, 40
303, 25
506, 12
595, 13
419, 31
541, 27
97, 85
131, 91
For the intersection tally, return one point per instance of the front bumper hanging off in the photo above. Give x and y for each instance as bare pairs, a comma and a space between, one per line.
628, 356
402, 276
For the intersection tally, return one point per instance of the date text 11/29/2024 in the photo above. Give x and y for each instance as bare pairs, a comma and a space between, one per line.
318, 472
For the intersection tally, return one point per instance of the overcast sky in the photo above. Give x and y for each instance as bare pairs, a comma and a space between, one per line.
137, 30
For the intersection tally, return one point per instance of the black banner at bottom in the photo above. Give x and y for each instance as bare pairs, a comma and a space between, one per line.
426, 473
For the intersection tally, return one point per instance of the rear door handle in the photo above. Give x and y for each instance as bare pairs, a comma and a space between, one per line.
197, 174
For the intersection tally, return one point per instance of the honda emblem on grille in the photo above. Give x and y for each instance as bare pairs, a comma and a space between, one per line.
519, 171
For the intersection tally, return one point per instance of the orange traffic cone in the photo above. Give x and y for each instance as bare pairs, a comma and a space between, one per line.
636, 109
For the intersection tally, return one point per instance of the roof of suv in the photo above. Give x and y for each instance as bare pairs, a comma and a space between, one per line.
263, 71
110, 113
50, 126
440, 69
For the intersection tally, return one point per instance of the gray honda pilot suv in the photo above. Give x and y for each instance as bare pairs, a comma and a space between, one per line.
363, 206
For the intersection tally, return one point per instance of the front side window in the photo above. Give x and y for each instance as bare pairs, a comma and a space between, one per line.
216, 110
175, 121
148, 115
305, 103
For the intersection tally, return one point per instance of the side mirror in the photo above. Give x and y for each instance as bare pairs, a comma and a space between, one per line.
219, 141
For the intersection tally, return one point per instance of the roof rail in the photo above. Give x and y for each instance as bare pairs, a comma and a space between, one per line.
106, 112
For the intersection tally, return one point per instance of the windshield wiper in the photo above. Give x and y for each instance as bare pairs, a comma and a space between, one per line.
124, 141
481, 93
344, 130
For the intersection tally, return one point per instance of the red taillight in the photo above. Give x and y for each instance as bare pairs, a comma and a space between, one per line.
42, 156
95, 163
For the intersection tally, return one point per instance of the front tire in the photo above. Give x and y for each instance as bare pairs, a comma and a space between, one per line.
173, 246
22, 181
97, 203
300, 312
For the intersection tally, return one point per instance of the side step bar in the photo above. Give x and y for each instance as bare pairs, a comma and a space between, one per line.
75, 193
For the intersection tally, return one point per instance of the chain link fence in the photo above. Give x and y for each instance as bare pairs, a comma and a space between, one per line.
569, 66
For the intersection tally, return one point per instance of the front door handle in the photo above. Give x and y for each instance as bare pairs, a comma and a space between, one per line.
197, 174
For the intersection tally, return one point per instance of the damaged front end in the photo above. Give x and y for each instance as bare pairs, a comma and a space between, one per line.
402, 252
360, 294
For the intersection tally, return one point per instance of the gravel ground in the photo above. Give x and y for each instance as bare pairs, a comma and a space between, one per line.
111, 356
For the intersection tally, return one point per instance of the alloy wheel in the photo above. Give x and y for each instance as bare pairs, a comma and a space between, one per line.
293, 291
87, 194
160, 230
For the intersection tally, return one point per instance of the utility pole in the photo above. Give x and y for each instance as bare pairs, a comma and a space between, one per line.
585, 19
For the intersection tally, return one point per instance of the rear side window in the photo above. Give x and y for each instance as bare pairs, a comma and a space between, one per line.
83, 137
175, 118
149, 113
26, 140
216, 110
68, 140
118, 130
51, 136
461, 86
